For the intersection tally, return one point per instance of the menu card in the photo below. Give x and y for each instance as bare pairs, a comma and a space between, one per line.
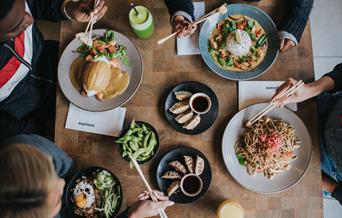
189, 45
104, 123
253, 92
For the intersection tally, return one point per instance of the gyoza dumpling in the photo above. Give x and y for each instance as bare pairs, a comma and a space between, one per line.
199, 167
178, 166
181, 95
179, 107
193, 122
184, 117
173, 187
171, 175
190, 163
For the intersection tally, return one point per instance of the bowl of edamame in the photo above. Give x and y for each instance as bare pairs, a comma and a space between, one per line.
140, 140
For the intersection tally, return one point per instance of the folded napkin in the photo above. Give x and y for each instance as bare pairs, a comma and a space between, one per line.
253, 92
189, 45
104, 123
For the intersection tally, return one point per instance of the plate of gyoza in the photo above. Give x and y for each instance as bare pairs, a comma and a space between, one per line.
272, 154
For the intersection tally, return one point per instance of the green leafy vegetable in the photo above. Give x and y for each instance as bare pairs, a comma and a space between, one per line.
105, 47
241, 159
250, 23
110, 193
229, 62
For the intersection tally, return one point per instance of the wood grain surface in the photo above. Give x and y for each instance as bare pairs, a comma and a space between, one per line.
163, 69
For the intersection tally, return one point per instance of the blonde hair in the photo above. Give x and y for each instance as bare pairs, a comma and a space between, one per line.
25, 176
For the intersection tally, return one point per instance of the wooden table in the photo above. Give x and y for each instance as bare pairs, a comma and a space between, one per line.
163, 69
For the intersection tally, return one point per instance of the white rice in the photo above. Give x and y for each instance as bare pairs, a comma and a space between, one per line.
238, 49
87, 189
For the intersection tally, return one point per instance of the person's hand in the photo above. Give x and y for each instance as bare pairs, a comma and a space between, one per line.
181, 24
82, 10
148, 208
328, 184
286, 44
304, 92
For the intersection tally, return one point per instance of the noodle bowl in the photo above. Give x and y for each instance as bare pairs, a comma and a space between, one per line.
267, 147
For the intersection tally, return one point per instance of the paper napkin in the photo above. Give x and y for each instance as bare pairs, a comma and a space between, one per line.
105, 123
253, 92
189, 45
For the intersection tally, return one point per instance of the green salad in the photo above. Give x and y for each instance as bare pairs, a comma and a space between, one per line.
104, 47
110, 193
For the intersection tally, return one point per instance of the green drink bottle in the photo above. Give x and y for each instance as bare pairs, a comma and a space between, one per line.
141, 22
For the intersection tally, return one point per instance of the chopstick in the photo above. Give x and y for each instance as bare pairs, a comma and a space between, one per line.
161, 212
201, 19
92, 21
272, 105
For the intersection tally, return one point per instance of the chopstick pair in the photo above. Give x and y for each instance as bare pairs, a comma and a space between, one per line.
221, 9
272, 105
161, 211
91, 24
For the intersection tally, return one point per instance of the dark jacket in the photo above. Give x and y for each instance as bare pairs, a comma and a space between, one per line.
180, 5
333, 129
297, 15
32, 90
336, 75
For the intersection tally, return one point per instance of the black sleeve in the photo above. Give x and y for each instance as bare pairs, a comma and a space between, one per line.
337, 194
297, 15
336, 75
180, 5
47, 9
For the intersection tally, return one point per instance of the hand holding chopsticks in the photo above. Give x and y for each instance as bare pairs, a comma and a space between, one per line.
161, 212
98, 10
272, 105
222, 9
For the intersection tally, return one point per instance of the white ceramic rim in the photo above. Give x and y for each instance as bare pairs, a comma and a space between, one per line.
187, 193
232, 164
200, 94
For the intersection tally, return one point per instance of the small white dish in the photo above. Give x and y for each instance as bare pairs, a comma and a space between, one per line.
200, 103
187, 179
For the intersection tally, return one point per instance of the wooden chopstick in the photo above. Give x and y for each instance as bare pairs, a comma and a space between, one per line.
91, 22
201, 19
272, 105
161, 211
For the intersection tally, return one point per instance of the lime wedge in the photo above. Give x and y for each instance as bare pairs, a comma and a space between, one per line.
238, 36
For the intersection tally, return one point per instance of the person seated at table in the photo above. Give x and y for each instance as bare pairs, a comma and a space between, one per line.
31, 181
328, 89
290, 29
28, 64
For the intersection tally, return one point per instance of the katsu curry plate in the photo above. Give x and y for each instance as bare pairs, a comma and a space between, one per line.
240, 44
101, 73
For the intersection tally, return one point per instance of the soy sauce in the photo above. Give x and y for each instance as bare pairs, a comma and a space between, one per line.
191, 184
200, 104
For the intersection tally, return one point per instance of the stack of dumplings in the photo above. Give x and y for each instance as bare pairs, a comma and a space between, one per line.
185, 116
191, 166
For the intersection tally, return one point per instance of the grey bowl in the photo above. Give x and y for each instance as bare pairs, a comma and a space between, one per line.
264, 20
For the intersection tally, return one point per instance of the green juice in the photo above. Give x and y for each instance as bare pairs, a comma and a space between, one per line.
141, 23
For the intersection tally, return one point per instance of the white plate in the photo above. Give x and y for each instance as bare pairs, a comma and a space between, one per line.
135, 71
259, 183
